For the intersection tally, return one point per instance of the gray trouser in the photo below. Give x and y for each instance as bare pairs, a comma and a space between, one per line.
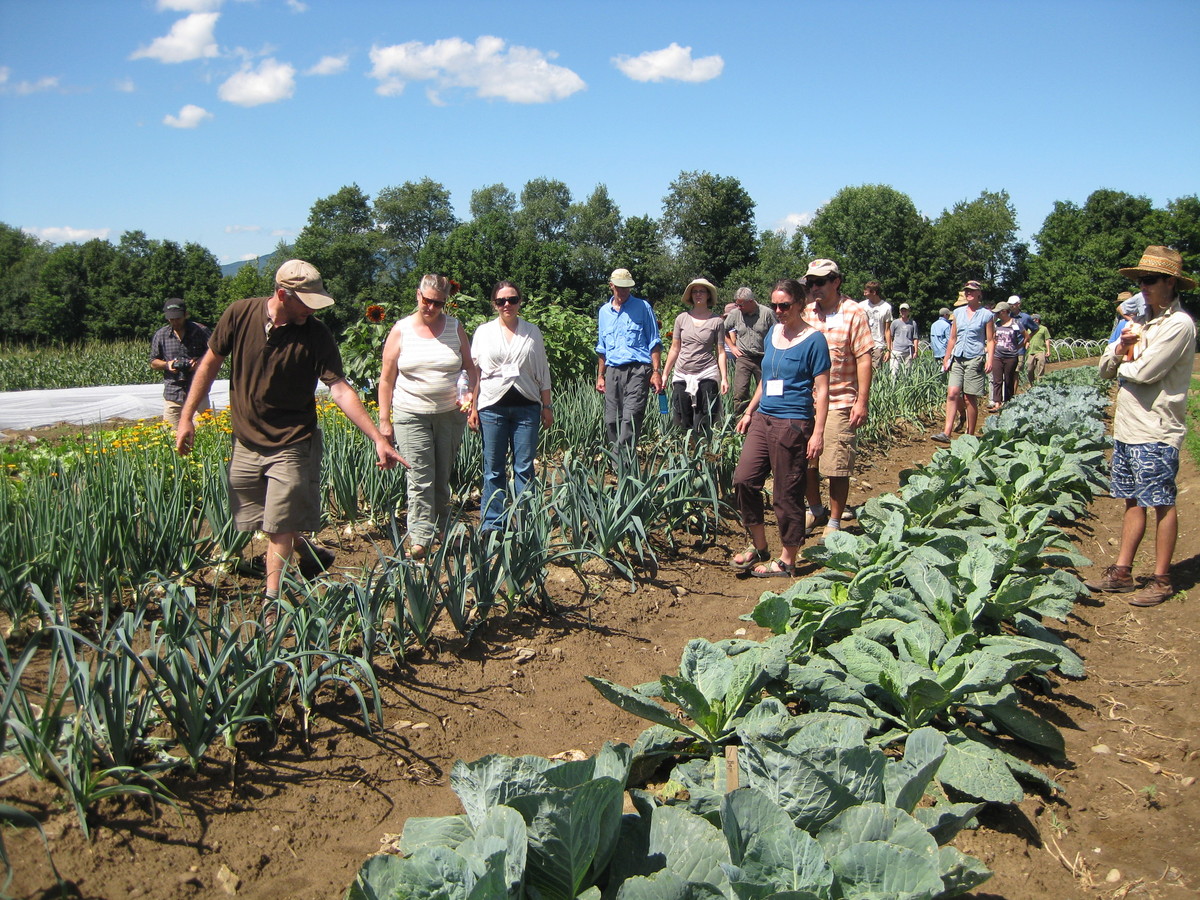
747, 367
429, 441
626, 389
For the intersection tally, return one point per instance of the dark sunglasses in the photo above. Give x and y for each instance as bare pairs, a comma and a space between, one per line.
782, 307
1151, 279
507, 301
437, 303
813, 281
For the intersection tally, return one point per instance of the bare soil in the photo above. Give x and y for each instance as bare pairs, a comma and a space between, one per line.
296, 822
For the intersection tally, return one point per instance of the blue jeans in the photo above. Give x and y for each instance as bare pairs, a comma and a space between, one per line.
505, 430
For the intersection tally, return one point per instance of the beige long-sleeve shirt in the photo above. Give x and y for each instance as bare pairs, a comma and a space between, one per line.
1152, 399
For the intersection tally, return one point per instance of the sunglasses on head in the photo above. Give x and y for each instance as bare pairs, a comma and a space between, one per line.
1151, 279
507, 301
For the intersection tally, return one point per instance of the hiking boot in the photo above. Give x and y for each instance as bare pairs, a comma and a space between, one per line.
812, 520
315, 559
1115, 580
1156, 591
254, 567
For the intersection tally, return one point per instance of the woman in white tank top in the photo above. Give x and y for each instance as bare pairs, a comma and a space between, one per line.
418, 405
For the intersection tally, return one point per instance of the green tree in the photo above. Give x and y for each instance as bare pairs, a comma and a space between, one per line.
873, 231
592, 235
976, 239
408, 215
22, 257
775, 258
249, 281
340, 239
494, 198
640, 249
545, 210
711, 220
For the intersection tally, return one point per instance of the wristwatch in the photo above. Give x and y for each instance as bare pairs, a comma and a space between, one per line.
549, 406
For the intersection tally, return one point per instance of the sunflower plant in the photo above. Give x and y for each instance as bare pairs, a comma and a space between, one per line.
362, 345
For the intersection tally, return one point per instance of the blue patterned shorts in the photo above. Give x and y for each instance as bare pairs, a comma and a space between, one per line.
1145, 473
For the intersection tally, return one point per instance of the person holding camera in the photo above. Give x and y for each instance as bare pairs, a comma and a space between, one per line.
175, 350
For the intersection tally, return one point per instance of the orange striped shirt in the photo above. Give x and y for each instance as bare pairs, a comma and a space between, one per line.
848, 333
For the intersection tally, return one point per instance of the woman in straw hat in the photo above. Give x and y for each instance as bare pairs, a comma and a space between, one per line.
1153, 365
696, 367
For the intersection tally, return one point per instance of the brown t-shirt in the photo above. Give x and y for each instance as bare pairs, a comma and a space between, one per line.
274, 377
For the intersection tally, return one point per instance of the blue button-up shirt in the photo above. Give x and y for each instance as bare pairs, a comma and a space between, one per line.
627, 335
939, 337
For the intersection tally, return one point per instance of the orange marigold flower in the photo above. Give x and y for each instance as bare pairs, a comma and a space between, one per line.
375, 313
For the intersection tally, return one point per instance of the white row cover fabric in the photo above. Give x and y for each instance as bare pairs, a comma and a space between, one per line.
90, 405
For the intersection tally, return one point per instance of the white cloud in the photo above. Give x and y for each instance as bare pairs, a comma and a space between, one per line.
242, 229
4, 71
487, 67
789, 223
67, 235
124, 85
189, 117
297, 6
49, 83
189, 38
330, 65
190, 6
270, 82
673, 62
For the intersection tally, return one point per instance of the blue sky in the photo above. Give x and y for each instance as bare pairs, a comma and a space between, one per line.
221, 121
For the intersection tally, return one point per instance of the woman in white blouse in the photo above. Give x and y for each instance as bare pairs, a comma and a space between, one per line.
513, 400
418, 392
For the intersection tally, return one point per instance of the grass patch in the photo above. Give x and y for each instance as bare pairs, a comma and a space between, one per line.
1192, 441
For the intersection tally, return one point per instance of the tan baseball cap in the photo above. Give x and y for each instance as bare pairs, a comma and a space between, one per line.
621, 278
822, 268
304, 280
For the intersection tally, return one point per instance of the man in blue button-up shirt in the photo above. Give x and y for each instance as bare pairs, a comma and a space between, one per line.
629, 353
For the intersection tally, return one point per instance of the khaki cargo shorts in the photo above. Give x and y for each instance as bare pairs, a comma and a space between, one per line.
968, 374
278, 491
841, 441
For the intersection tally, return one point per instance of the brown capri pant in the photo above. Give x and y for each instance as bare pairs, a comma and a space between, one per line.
774, 447
840, 445
278, 491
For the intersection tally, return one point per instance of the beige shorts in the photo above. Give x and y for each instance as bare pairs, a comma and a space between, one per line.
278, 491
968, 375
171, 410
837, 457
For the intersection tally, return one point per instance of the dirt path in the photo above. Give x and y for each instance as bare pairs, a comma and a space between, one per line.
294, 824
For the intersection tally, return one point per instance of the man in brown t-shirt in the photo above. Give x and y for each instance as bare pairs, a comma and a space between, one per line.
278, 351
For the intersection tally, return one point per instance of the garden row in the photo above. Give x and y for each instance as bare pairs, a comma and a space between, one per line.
838, 757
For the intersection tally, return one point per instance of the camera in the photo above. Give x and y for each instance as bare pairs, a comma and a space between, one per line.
183, 365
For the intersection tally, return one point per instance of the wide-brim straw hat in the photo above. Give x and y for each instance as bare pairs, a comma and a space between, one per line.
1161, 261
962, 299
704, 283
1123, 296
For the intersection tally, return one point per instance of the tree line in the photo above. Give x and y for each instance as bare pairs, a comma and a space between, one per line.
560, 250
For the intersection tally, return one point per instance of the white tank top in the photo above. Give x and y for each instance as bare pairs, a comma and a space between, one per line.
427, 369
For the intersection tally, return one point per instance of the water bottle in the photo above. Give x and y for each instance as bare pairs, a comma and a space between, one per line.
664, 405
464, 392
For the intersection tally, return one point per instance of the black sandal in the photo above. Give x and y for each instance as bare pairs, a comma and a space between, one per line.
776, 568
751, 557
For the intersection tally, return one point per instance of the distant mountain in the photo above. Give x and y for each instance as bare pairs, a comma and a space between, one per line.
263, 263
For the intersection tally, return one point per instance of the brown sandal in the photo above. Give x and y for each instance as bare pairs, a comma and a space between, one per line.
750, 557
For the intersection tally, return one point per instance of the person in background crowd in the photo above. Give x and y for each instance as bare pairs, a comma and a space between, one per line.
1025, 320
279, 351
419, 405
1039, 350
969, 352
695, 364
1010, 341
848, 334
783, 425
745, 329
730, 340
903, 344
879, 317
175, 350
1153, 368
513, 400
939, 335
1131, 307
629, 356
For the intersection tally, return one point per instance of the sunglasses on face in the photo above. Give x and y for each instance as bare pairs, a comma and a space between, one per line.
781, 307
434, 303
507, 301
814, 281
1150, 279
